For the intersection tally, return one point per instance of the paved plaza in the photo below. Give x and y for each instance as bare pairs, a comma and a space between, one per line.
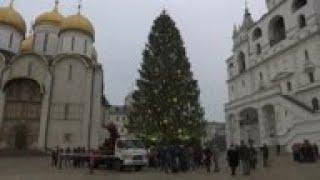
39, 169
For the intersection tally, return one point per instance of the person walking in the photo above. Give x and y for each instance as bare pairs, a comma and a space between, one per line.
60, 157
67, 159
278, 146
265, 155
252, 157
233, 159
54, 157
316, 152
167, 159
174, 153
161, 156
296, 152
216, 159
191, 158
244, 156
207, 159
197, 156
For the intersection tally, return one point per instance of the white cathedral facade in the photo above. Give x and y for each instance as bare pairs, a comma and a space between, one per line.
274, 76
51, 83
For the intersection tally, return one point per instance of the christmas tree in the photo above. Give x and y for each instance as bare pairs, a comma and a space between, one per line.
166, 104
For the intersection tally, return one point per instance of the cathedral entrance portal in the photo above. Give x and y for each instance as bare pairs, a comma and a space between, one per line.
270, 123
21, 123
20, 140
249, 126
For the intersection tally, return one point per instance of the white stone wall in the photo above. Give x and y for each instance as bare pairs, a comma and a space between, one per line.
33, 67
285, 61
52, 41
2, 95
71, 85
5, 33
97, 110
80, 39
273, 3
268, 74
70, 82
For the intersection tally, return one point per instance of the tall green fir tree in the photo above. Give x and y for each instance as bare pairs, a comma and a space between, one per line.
166, 105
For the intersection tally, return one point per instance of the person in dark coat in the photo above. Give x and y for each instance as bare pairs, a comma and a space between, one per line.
197, 156
233, 159
296, 151
167, 159
265, 155
307, 151
207, 159
54, 157
244, 156
184, 163
316, 151
278, 149
253, 157
174, 153
161, 156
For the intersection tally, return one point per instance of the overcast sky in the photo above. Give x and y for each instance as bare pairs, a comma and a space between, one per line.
122, 28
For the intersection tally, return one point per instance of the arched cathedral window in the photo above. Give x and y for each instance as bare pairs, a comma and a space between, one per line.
257, 34
85, 48
311, 77
70, 72
306, 55
302, 21
11, 40
30, 68
73, 40
62, 42
241, 62
45, 42
33, 43
277, 30
258, 49
261, 76
289, 86
298, 4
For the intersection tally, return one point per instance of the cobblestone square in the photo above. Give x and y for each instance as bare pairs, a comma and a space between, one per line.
39, 169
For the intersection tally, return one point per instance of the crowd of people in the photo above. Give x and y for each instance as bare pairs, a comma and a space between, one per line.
247, 157
305, 152
173, 159
69, 157
178, 158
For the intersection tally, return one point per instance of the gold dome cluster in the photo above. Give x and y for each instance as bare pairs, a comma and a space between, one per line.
9, 16
27, 45
78, 22
53, 17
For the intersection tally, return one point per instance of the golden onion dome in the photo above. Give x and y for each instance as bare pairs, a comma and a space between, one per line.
78, 22
27, 45
52, 18
9, 16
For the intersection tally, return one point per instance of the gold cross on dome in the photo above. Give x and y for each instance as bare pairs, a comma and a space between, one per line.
79, 6
11, 3
56, 4
246, 4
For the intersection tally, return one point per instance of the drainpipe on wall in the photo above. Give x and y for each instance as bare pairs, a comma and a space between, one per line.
49, 111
